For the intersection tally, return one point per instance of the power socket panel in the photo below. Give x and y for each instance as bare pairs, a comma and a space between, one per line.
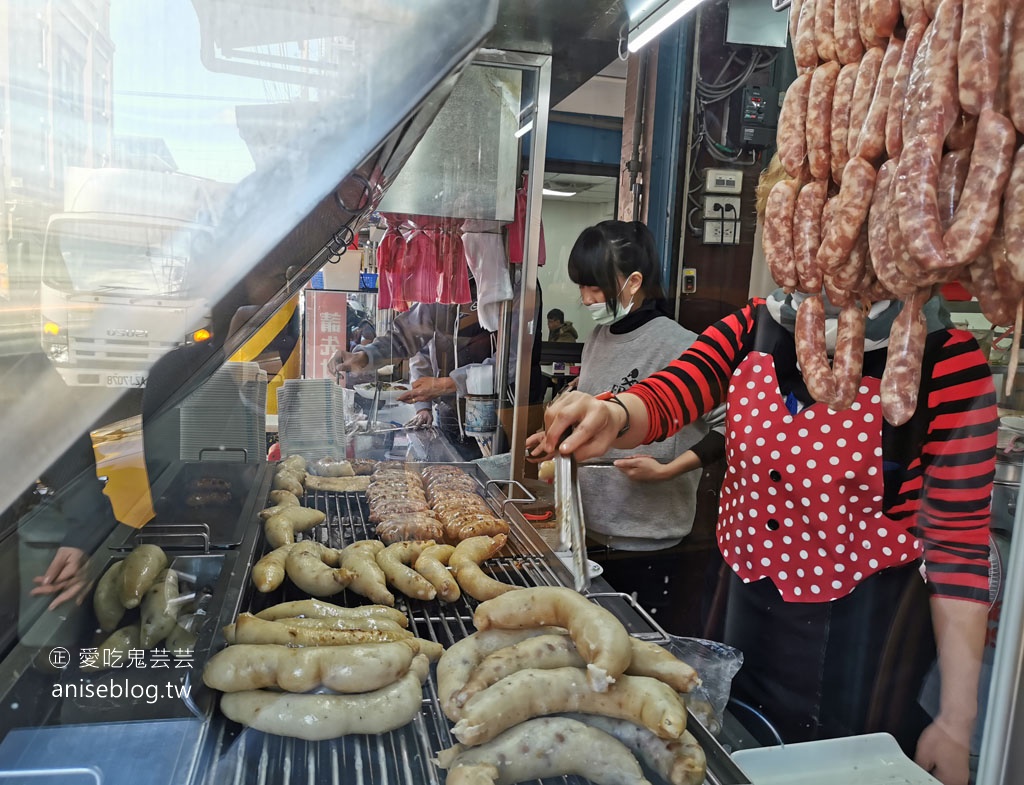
721, 220
724, 208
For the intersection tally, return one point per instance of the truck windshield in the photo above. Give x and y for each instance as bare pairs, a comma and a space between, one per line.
134, 259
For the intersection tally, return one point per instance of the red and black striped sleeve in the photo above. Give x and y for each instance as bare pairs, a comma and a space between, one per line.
957, 468
696, 382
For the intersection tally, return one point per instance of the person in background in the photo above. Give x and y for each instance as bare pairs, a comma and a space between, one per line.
640, 509
830, 521
362, 334
457, 339
422, 366
436, 325
559, 329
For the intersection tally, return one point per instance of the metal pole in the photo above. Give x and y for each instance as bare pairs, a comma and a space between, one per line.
998, 752
528, 292
501, 371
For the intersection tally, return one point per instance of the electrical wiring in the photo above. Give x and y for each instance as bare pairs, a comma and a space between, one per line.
709, 93
689, 220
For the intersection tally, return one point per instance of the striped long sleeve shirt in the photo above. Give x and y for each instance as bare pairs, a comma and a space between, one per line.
937, 468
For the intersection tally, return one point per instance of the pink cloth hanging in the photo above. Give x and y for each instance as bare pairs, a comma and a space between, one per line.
389, 289
517, 231
454, 282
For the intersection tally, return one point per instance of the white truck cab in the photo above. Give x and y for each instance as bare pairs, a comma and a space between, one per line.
119, 286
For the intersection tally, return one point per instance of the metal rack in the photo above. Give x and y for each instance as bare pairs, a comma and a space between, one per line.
243, 755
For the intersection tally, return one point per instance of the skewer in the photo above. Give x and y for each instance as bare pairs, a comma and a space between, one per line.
1011, 370
183, 599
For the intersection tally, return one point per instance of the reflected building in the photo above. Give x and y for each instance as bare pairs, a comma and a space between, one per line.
56, 69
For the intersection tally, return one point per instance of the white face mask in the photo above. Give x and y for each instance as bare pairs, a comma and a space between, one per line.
601, 313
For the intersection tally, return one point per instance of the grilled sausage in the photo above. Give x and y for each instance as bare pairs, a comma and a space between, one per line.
532, 692
599, 636
355, 668
541, 748
318, 717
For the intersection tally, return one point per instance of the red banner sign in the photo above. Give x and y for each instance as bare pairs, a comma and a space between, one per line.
326, 318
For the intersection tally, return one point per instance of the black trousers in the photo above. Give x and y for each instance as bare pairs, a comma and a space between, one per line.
830, 669
671, 584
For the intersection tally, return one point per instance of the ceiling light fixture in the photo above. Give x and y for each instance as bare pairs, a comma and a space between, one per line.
658, 21
553, 192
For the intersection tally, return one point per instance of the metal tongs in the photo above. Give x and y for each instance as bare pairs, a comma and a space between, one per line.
569, 509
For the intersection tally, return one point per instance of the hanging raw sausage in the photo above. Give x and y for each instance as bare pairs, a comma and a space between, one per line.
978, 211
894, 116
842, 100
792, 136
819, 119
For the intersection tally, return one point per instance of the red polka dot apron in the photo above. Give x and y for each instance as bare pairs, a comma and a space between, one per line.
801, 502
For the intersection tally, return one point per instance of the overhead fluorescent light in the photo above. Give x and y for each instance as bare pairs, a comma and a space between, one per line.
525, 129
657, 22
553, 192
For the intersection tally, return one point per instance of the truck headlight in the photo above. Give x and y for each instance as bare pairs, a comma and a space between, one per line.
55, 342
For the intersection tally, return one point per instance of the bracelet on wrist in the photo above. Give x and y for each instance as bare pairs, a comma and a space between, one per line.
625, 427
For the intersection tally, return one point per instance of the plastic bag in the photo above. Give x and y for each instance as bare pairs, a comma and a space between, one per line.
716, 664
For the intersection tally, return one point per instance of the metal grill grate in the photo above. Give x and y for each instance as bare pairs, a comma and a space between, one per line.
242, 756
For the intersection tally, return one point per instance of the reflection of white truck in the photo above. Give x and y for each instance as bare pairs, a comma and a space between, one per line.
121, 278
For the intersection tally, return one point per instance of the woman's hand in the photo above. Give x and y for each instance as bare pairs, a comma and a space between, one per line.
943, 750
642, 468
65, 577
594, 425
347, 361
427, 388
424, 418
533, 441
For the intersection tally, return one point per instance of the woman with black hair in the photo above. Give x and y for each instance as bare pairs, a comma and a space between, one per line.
639, 509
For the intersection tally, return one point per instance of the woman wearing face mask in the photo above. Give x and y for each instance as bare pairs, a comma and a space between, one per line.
639, 509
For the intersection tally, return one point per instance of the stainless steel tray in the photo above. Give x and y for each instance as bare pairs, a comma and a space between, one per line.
178, 525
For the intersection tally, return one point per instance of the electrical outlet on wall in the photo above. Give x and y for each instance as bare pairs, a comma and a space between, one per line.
712, 232
721, 207
721, 220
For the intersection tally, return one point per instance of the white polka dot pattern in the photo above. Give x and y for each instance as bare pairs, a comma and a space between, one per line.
815, 534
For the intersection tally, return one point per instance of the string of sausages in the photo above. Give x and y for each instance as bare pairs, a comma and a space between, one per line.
901, 138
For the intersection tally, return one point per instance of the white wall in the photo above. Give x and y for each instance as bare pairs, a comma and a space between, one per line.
564, 219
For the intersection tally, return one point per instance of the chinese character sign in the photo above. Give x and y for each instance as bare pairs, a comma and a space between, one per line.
326, 330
